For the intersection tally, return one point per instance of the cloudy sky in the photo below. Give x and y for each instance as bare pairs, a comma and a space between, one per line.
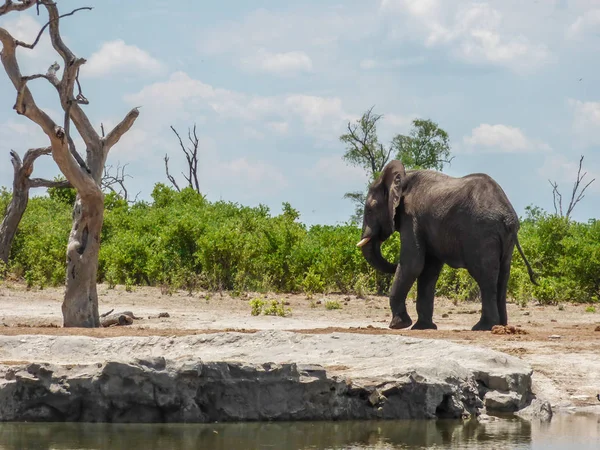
271, 84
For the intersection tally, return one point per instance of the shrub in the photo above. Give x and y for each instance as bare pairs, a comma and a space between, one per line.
182, 241
332, 304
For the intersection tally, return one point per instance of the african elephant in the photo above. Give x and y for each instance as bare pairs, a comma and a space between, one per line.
464, 222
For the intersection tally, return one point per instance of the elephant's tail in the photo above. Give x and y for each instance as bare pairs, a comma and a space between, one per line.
529, 269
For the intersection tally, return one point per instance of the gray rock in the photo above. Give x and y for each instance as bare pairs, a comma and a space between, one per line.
251, 377
537, 409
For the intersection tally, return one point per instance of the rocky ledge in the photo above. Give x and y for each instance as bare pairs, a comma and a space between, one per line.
369, 377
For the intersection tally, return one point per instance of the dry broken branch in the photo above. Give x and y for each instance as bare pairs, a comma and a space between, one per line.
169, 176
110, 180
113, 136
577, 194
191, 156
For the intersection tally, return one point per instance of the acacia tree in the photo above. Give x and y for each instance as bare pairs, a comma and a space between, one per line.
80, 304
22, 183
427, 146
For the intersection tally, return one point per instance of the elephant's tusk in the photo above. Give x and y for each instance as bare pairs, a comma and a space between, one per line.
363, 242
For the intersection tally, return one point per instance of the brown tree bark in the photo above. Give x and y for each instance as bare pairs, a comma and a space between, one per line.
20, 195
80, 305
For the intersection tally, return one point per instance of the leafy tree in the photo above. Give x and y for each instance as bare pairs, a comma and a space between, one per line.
427, 146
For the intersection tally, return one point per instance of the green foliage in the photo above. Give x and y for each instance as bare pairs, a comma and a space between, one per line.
273, 308
332, 304
277, 308
181, 241
426, 147
256, 305
590, 309
62, 195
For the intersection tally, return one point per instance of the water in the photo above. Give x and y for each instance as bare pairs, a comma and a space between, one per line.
570, 431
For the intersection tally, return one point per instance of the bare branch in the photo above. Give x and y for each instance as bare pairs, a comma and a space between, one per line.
70, 76
113, 137
31, 155
15, 159
40, 182
37, 39
22, 5
556, 198
169, 176
109, 180
577, 197
191, 156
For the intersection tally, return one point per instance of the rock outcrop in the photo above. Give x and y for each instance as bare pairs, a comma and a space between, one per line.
462, 381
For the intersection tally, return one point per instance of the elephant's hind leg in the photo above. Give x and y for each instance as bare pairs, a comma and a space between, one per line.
426, 293
503, 277
486, 275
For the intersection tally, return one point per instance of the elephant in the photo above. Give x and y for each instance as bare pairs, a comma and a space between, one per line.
465, 222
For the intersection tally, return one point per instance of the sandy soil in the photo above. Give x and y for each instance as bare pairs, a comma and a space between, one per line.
562, 346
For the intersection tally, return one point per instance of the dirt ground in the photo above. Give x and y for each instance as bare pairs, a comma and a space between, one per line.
561, 345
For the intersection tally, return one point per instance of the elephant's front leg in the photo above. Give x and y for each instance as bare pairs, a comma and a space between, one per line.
406, 274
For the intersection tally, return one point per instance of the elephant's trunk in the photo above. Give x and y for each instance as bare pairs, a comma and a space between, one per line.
372, 253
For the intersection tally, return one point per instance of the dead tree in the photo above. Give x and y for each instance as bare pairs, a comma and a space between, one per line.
80, 304
576, 195
191, 156
20, 195
115, 182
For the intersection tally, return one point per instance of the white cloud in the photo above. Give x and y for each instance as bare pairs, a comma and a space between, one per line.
182, 97
25, 28
118, 57
500, 139
586, 121
584, 25
285, 63
475, 32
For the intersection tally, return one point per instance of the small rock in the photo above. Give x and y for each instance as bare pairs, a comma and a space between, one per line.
526, 313
445, 315
554, 336
597, 328
163, 314
552, 320
539, 409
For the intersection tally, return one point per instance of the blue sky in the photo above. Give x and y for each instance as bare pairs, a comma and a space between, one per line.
272, 84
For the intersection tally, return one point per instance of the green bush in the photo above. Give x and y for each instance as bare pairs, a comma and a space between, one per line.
182, 241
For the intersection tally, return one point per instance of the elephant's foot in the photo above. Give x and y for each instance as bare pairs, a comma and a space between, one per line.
423, 325
484, 325
401, 321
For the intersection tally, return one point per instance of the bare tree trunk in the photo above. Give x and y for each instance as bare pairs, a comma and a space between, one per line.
20, 196
14, 212
80, 305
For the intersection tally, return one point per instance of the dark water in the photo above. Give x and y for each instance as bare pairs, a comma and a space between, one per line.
574, 431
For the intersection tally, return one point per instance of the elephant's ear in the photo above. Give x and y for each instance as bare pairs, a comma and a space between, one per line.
396, 178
